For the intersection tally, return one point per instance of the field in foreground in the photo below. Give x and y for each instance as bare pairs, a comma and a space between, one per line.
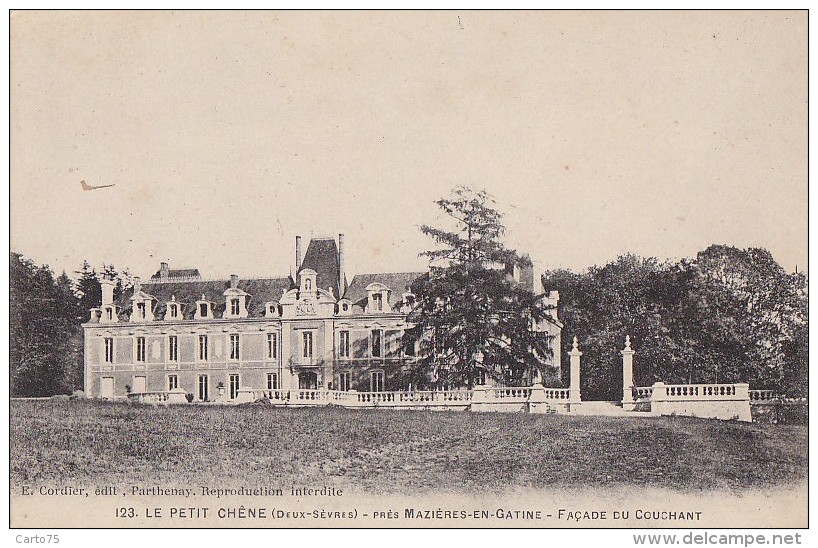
383, 451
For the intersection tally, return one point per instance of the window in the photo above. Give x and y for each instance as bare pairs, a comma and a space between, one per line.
109, 350
203, 310
272, 345
345, 381
110, 312
203, 388
308, 284
377, 343
345, 307
307, 344
173, 348
410, 300
140, 349
234, 346
174, 311
203, 347
234, 386
409, 346
234, 307
377, 301
343, 344
272, 381
173, 382
376, 381
480, 378
140, 309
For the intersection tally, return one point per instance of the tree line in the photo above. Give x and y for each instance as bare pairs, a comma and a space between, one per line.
728, 315
45, 317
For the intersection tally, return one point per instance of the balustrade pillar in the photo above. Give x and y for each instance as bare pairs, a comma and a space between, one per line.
658, 398
628, 403
574, 398
537, 402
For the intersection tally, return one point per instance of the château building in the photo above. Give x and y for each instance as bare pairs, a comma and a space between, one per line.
313, 330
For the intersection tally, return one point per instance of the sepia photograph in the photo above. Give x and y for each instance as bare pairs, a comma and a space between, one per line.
409, 269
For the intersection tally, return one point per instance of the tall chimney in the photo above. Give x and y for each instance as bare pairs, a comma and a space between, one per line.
234, 281
527, 277
297, 254
107, 291
341, 263
164, 271
137, 284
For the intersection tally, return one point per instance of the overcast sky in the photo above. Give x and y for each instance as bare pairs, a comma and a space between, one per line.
226, 134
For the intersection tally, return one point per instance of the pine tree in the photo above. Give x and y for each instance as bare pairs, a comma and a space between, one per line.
88, 288
470, 317
42, 323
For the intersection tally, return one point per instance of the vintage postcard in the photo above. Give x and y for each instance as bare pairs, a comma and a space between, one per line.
424, 269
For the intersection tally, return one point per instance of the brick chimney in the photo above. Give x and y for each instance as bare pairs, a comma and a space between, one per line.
297, 254
341, 264
234, 281
164, 271
137, 284
527, 277
107, 291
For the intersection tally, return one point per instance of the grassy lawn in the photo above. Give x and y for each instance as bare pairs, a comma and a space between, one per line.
383, 451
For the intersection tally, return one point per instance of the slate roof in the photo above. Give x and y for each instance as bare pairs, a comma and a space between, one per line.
322, 256
261, 290
398, 282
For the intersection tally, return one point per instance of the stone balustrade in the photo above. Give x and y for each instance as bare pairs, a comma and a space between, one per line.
159, 397
558, 394
761, 397
423, 399
510, 393
536, 399
685, 391
715, 401
642, 392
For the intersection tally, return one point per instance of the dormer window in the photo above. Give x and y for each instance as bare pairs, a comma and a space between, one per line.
271, 310
174, 310
142, 305
378, 298
344, 306
408, 303
203, 310
108, 314
235, 303
308, 277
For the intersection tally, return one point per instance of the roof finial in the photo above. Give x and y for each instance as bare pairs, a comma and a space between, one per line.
575, 344
627, 342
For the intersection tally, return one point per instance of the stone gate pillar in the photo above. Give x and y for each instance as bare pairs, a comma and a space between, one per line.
574, 397
628, 403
